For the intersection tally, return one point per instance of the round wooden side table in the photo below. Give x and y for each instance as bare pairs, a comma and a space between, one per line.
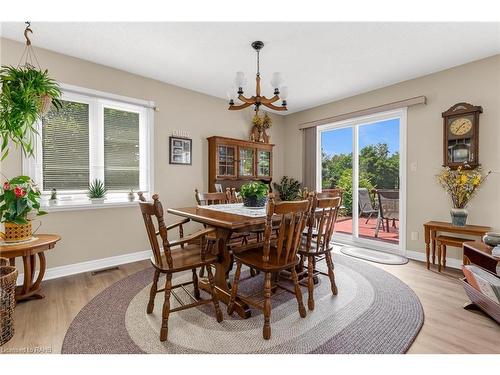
29, 251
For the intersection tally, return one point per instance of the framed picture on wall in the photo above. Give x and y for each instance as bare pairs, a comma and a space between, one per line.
180, 150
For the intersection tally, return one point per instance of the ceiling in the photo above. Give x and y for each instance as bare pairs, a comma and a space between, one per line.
320, 62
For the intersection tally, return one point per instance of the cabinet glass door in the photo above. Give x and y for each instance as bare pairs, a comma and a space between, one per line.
225, 161
264, 163
246, 162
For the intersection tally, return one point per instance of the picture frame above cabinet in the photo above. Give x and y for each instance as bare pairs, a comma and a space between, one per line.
232, 162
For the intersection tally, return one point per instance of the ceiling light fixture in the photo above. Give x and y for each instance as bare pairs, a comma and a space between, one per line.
280, 91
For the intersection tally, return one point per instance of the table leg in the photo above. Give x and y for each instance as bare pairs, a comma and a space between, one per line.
30, 288
433, 244
427, 238
222, 268
27, 274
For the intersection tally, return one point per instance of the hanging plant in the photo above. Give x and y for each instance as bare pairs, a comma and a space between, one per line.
27, 94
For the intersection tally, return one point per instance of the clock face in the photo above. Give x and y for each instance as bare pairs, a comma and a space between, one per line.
460, 126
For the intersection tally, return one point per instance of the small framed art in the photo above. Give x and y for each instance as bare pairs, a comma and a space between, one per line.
180, 150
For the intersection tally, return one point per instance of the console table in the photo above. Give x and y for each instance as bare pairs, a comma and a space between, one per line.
432, 228
28, 251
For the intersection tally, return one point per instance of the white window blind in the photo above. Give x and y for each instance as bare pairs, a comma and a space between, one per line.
65, 147
121, 149
94, 135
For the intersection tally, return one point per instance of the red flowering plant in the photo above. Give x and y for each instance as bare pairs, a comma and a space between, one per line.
19, 199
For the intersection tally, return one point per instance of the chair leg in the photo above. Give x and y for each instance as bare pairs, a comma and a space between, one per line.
266, 331
369, 217
166, 309
215, 300
152, 292
310, 283
202, 271
195, 285
331, 275
298, 293
387, 225
234, 289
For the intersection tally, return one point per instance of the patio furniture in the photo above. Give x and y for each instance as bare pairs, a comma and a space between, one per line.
274, 255
365, 204
186, 253
388, 202
317, 244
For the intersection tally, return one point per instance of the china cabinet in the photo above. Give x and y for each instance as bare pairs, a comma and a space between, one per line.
232, 162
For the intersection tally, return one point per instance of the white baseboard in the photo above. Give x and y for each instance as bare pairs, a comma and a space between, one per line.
450, 262
91, 265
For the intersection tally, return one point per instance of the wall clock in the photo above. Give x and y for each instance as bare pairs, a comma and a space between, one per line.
461, 135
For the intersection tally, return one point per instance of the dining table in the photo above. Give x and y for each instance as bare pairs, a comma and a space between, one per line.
225, 219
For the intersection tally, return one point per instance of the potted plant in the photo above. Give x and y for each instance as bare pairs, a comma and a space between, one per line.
27, 94
97, 191
289, 189
461, 185
254, 194
19, 203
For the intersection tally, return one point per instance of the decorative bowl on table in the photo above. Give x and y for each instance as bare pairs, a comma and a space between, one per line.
492, 239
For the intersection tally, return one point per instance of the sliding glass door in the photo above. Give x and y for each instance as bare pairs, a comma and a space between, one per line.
365, 158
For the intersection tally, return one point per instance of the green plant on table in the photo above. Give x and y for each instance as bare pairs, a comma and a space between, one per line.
289, 189
97, 189
19, 198
27, 94
254, 189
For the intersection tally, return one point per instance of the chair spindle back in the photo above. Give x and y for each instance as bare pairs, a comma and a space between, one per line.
207, 199
324, 211
292, 217
150, 210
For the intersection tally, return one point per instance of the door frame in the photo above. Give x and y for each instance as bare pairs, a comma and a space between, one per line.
354, 123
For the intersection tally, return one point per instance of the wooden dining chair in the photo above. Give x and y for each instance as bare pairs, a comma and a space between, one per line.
317, 242
233, 196
273, 256
194, 253
207, 199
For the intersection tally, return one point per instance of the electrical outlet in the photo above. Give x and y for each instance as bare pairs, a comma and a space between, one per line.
413, 166
414, 236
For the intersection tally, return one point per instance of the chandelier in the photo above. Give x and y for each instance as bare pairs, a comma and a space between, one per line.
280, 91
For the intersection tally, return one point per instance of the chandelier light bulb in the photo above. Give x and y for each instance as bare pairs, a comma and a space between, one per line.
284, 92
240, 80
276, 80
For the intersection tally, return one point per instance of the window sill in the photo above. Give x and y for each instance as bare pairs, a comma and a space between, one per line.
85, 204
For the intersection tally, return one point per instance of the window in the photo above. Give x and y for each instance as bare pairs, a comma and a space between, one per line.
94, 136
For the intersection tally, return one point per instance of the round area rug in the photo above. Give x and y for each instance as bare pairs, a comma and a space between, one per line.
373, 255
374, 312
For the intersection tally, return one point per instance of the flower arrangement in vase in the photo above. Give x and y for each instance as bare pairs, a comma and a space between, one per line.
19, 203
461, 185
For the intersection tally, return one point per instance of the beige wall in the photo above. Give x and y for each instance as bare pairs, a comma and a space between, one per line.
96, 234
477, 83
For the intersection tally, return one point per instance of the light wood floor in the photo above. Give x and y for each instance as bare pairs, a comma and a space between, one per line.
42, 324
